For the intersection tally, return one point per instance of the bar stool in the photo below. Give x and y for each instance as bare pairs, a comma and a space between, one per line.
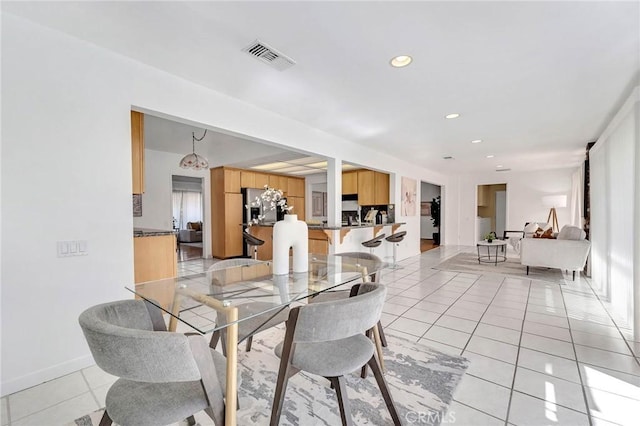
395, 239
252, 241
373, 243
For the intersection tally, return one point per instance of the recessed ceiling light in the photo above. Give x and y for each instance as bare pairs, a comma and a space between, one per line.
476, 141
453, 115
401, 61
499, 166
490, 156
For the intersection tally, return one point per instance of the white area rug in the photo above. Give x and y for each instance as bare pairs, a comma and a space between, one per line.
468, 262
421, 380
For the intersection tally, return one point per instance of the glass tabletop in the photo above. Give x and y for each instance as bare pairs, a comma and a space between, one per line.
253, 288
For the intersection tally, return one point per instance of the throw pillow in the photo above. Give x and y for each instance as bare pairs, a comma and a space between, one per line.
531, 228
542, 233
571, 233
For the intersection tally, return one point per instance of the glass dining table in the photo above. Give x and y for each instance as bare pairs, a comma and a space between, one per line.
224, 290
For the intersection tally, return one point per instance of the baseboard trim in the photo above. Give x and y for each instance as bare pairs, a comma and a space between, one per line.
46, 374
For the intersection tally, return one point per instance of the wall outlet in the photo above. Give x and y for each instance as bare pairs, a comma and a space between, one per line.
72, 248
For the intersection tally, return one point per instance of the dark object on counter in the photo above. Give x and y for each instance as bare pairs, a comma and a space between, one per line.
374, 242
395, 239
252, 241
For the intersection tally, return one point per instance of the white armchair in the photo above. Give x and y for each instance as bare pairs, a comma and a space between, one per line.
568, 251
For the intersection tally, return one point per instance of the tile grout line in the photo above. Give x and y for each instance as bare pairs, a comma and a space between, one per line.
95, 398
515, 370
575, 353
483, 314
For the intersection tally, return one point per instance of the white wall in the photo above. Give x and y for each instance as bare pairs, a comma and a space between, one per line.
615, 220
524, 198
157, 198
66, 175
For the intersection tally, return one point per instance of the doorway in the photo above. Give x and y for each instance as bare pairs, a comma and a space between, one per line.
187, 208
429, 223
491, 210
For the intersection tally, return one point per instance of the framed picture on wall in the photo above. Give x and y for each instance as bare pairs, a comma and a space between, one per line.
425, 208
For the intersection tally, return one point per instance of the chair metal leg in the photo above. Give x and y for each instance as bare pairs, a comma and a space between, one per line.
527, 270
249, 341
343, 400
105, 420
574, 275
384, 389
191, 421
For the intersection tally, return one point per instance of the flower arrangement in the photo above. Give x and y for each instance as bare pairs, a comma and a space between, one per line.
270, 199
490, 237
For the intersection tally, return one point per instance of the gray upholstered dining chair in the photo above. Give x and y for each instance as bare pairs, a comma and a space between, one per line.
377, 263
164, 377
327, 339
273, 314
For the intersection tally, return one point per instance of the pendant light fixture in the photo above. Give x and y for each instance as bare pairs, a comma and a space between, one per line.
193, 160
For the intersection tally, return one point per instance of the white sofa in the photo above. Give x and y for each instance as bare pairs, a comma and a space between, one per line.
568, 251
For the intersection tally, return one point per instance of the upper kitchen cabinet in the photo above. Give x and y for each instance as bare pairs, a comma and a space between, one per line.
295, 187
137, 151
350, 182
381, 188
232, 181
247, 179
279, 182
261, 179
373, 188
298, 206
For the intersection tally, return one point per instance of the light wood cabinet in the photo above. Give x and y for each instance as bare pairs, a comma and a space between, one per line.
366, 187
373, 188
247, 179
318, 242
227, 209
233, 215
350, 183
298, 206
295, 187
483, 195
265, 233
137, 151
279, 182
154, 258
381, 188
232, 180
261, 179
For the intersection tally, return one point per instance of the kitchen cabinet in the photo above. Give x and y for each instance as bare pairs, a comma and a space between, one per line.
381, 188
373, 188
137, 151
318, 242
154, 258
350, 182
366, 190
261, 180
295, 187
233, 216
227, 208
483, 195
298, 206
247, 179
265, 233
232, 180
279, 182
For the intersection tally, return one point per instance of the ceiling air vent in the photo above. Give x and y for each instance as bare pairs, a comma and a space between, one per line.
269, 55
503, 170
447, 157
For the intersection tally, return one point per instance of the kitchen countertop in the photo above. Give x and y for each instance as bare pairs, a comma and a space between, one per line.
147, 232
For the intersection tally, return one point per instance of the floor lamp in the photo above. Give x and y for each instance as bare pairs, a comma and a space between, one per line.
553, 201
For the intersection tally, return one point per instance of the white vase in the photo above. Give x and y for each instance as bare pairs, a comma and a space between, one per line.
290, 233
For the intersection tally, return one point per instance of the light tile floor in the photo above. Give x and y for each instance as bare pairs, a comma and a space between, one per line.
540, 353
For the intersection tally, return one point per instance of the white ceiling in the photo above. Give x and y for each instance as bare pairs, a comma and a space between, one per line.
535, 81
